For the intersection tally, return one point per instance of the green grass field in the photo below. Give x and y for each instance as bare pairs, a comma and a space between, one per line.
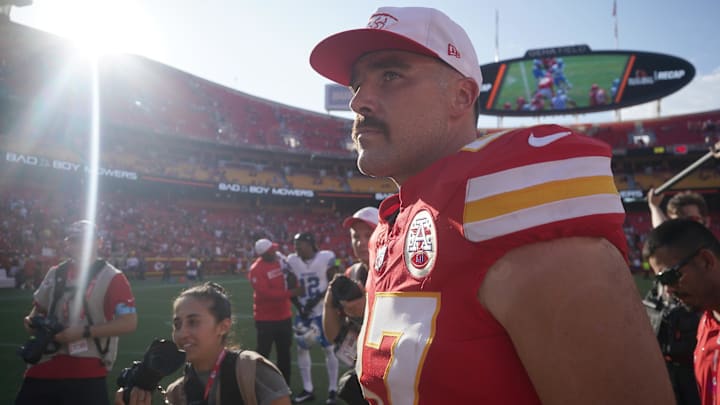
154, 314
580, 71
154, 310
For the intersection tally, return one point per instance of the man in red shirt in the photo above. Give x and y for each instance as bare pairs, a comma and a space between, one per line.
497, 273
685, 256
271, 303
95, 306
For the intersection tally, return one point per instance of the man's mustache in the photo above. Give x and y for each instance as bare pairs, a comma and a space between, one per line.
364, 123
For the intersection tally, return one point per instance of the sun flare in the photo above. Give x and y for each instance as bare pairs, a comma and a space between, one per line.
101, 26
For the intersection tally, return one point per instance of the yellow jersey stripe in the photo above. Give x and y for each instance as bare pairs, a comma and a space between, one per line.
505, 203
535, 174
519, 220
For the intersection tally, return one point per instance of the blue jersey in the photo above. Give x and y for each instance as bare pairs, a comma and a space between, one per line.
559, 102
538, 72
558, 74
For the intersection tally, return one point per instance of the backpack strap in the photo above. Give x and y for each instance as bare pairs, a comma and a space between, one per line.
245, 369
96, 268
230, 391
192, 387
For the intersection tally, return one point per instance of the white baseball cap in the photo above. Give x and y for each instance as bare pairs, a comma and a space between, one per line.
369, 215
263, 245
81, 228
414, 29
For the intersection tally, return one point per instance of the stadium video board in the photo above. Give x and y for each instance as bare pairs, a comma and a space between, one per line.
337, 97
575, 80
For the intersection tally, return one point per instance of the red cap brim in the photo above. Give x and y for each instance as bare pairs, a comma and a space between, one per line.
335, 56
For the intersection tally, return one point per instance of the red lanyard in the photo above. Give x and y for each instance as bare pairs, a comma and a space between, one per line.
214, 374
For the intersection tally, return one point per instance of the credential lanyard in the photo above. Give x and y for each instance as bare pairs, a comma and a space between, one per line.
214, 374
88, 292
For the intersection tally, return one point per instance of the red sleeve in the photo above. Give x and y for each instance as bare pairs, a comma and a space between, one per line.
542, 183
262, 286
118, 292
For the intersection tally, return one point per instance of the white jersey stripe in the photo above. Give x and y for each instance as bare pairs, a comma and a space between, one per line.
534, 174
542, 214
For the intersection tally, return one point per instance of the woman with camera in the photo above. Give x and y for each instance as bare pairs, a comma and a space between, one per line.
215, 374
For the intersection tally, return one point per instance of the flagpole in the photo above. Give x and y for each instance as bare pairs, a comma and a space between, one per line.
497, 35
497, 54
618, 115
614, 12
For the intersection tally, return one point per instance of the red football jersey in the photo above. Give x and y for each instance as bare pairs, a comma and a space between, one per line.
706, 360
426, 338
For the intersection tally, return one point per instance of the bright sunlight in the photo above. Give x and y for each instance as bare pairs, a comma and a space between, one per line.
101, 26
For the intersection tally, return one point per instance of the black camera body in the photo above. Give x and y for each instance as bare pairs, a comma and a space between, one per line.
161, 359
344, 289
42, 341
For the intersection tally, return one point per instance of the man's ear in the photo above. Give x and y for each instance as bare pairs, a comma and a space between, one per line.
709, 260
466, 91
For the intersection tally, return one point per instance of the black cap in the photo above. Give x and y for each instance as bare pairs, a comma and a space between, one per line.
307, 237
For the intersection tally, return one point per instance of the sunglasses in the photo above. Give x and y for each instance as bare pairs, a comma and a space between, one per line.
671, 275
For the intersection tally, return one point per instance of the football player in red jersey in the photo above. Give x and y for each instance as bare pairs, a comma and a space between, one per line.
498, 272
597, 96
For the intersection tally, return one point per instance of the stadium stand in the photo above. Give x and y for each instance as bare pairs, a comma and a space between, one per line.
170, 140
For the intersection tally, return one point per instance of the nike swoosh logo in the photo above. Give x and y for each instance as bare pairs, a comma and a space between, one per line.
546, 140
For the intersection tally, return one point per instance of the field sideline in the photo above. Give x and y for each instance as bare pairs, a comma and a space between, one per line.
154, 320
154, 310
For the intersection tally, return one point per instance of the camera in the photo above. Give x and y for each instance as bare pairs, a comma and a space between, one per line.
41, 342
161, 359
344, 289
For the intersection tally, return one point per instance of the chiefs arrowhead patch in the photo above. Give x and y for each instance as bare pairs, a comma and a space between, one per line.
421, 244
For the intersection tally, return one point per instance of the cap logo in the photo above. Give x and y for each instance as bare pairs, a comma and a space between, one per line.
452, 51
381, 21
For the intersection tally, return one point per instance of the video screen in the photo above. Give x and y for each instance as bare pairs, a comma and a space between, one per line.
580, 83
560, 83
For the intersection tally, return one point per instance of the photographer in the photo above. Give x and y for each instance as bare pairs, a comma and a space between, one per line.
676, 323
72, 351
345, 302
361, 226
685, 257
214, 374
342, 320
675, 326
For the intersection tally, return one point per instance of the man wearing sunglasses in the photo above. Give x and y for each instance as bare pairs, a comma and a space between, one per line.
685, 256
677, 324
